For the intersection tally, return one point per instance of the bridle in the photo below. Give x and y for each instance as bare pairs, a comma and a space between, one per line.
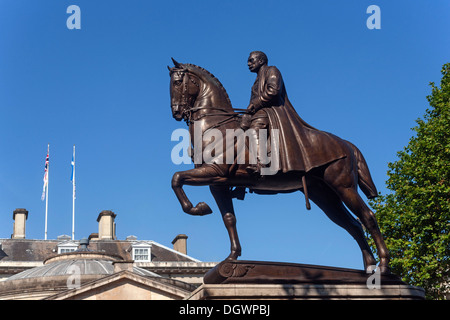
188, 113
182, 73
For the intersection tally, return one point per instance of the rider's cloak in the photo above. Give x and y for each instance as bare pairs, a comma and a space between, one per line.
302, 147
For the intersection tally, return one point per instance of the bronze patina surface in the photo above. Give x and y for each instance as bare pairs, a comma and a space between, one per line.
261, 272
326, 168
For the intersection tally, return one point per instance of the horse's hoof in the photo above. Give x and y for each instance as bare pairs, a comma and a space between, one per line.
201, 209
233, 255
369, 263
384, 269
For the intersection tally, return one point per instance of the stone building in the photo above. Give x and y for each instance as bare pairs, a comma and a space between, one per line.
101, 267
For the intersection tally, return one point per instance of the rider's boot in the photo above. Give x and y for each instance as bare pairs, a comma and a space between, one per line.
254, 169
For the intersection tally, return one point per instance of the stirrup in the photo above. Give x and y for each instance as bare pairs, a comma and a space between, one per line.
253, 169
238, 193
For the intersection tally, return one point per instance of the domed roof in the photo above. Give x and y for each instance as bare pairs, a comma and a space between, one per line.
86, 263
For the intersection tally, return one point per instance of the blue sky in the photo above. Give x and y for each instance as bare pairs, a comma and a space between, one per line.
105, 88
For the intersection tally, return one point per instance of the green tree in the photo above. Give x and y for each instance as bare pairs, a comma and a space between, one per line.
415, 217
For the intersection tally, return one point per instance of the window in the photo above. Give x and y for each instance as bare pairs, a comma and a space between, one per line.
141, 252
64, 250
67, 246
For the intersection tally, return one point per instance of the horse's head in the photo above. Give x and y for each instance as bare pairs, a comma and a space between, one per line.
184, 88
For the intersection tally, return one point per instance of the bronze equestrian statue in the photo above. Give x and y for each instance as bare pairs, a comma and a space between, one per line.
326, 168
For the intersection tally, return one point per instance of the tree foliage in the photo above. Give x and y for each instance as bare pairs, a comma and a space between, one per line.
415, 217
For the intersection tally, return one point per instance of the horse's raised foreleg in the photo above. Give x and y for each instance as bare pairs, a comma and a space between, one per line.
222, 195
196, 177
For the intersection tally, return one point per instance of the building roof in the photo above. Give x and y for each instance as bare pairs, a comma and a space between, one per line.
97, 274
85, 263
143, 288
39, 250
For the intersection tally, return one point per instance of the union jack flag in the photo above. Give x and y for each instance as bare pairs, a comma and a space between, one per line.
45, 176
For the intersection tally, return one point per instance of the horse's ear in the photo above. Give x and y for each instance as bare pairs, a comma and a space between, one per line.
177, 64
170, 69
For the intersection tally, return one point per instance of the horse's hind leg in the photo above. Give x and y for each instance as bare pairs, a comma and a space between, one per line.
222, 195
344, 182
357, 205
331, 204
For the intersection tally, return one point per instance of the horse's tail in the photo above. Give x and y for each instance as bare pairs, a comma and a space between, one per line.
365, 181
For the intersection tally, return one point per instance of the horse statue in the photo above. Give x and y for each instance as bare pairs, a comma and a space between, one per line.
199, 98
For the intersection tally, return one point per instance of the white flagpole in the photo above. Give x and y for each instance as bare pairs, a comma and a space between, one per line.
46, 192
73, 195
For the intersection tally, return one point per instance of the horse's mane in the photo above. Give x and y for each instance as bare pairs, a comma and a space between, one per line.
210, 77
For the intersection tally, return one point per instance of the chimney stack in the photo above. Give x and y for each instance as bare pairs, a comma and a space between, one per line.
180, 243
106, 225
20, 217
84, 244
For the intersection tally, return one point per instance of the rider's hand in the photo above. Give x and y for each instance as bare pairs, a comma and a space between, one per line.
246, 121
251, 109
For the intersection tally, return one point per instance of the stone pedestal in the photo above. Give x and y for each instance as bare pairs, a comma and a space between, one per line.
305, 292
255, 280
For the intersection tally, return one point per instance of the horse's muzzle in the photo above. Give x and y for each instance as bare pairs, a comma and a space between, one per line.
176, 114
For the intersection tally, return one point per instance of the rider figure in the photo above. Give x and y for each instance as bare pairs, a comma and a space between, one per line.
267, 92
301, 147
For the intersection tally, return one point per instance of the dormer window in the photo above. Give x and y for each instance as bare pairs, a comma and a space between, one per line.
141, 251
67, 246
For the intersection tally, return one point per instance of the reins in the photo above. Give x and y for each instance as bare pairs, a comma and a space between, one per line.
230, 115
